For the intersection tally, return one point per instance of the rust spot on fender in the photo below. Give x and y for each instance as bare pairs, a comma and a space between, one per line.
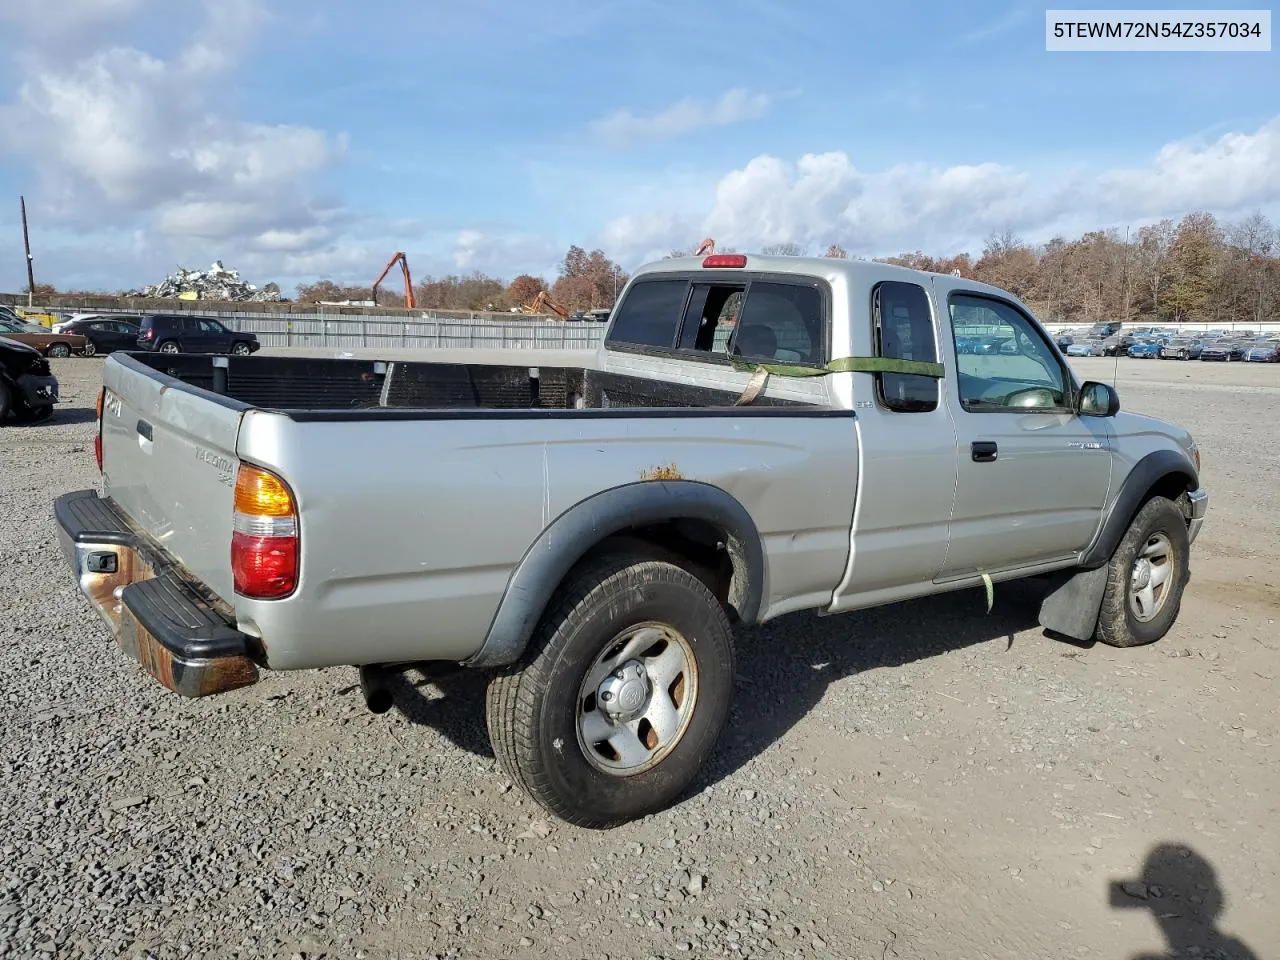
668, 472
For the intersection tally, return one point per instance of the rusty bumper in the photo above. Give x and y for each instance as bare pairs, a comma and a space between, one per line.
175, 628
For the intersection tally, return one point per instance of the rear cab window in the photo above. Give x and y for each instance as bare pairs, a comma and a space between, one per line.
770, 319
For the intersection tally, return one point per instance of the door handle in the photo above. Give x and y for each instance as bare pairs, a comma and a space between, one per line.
984, 451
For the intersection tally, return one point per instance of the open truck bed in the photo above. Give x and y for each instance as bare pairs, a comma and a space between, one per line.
331, 387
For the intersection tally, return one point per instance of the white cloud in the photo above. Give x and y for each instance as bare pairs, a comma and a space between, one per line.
623, 127
66, 16
124, 137
1237, 171
824, 198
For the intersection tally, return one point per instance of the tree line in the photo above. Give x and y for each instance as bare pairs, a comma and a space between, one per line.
1197, 268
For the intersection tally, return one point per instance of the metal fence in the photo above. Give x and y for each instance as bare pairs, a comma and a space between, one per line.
424, 332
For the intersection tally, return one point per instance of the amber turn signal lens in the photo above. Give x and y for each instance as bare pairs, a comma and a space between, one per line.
262, 494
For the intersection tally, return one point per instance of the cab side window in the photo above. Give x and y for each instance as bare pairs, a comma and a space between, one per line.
904, 331
1004, 364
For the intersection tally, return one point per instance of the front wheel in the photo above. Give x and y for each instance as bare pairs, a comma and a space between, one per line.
621, 695
1146, 577
60, 351
240, 349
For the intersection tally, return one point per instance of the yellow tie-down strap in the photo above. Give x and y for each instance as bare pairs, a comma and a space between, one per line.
762, 371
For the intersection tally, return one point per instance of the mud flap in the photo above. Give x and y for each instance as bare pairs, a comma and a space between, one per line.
1072, 607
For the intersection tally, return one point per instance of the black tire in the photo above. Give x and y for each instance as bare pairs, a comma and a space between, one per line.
59, 351
240, 349
1159, 525
533, 706
90, 349
6, 401
169, 346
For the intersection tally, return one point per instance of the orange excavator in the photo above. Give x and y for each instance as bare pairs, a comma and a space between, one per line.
408, 280
543, 299
705, 248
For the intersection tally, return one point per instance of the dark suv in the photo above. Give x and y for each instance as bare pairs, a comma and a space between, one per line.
165, 333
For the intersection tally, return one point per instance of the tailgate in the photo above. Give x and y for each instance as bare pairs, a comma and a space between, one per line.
169, 461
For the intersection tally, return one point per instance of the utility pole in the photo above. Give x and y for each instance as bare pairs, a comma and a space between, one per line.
26, 243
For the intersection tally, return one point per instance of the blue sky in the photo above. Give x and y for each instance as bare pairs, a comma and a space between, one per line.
300, 139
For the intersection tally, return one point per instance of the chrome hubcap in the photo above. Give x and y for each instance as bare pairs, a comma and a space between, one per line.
1151, 578
636, 701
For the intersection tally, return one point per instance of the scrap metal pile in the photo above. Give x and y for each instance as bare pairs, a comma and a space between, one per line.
216, 283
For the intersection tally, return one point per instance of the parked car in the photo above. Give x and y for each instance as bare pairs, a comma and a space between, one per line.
301, 513
181, 333
42, 338
79, 317
27, 315
1263, 351
1181, 348
1085, 348
1225, 350
1116, 344
104, 334
1146, 349
28, 389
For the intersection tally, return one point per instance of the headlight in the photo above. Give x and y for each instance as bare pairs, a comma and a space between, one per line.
1194, 450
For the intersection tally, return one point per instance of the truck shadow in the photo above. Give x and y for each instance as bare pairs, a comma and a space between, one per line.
453, 706
785, 667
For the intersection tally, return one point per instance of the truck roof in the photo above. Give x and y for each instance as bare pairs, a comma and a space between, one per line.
815, 267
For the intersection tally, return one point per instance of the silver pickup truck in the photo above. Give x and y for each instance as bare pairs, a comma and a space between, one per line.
756, 436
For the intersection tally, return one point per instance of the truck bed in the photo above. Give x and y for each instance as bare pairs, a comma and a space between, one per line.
421, 486
298, 384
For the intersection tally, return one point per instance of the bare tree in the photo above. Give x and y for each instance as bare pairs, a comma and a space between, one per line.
787, 249
836, 252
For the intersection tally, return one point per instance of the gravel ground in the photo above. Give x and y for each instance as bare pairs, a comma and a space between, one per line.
924, 781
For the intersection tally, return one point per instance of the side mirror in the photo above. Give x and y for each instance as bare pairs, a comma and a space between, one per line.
1097, 400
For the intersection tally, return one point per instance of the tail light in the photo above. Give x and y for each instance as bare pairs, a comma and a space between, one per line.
264, 539
97, 439
725, 260
150, 334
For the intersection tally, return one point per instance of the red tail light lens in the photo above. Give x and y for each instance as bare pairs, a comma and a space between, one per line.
264, 541
265, 568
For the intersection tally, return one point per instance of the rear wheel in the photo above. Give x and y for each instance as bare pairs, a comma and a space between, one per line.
1147, 576
621, 695
6, 400
90, 349
59, 350
169, 346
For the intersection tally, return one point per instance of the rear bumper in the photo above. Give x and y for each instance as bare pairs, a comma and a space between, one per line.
177, 630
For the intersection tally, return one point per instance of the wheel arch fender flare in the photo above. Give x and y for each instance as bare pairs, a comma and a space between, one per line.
588, 523
1160, 470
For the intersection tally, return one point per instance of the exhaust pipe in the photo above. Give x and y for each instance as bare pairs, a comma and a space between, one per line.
373, 684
